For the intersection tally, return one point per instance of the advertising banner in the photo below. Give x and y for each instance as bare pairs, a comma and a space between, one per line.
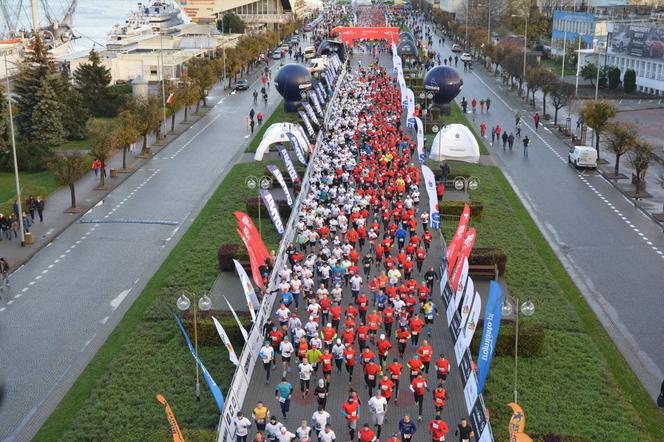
455, 245
478, 420
288, 162
420, 147
314, 99
517, 425
321, 92
411, 103
473, 319
467, 298
175, 428
249, 292
212, 385
227, 342
456, 298
466, 248
430, 182
272, 210
310, 112
297, 148
274, 170
243, 330
254, 243
492, 316
637, 40
307, 123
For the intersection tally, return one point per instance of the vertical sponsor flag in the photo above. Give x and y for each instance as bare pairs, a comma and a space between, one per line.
227, 342
243, 330
410, 97
310, 112
492, 316
467, 299
288, 162
455, 245
272, 210
254, 243
274, 170
297, 148
517, 424
307, 123
249, 293
466, 248
212, 385
175, 428
430, 182
420, 144
456, 294
473, 319
314, 99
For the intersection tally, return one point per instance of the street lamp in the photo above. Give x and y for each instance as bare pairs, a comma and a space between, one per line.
578, 66
527, 309
254, 183
18, 185
426, 96
525, 42
204, 304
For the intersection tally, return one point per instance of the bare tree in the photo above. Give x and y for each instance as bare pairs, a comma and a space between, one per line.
639, 158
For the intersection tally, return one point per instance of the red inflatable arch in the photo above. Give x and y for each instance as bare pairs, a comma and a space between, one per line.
347, 34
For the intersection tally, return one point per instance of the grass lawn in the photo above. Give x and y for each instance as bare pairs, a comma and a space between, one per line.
37, 184
278, 116
555, 64
75, 145
114, 399
581, 386
456, 116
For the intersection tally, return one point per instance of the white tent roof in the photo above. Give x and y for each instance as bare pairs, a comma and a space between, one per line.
455, 142
277, 133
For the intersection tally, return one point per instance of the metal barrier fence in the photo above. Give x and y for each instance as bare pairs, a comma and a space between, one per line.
240, 382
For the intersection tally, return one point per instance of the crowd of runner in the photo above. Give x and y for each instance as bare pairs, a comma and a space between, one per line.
355, 287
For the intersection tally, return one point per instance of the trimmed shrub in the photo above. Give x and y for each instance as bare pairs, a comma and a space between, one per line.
629, 81
614, 78
252, 208
225, 255
207, 332
456, 208
531, 339
489, 256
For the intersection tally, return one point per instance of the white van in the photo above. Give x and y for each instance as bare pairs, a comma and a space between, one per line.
582, 156
309, 52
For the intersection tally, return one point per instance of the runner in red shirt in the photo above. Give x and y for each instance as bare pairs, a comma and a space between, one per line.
386, 386
349, 360
388, 320
367, 355
351, 412
335, 314
326, 363
372, 372
362, 335
425, 351
439, 398
373, 321
402, 340
442, 368
420, 256
366, 434
383, 346
416, 324
415, 366
395, 375
362, 302
438, 429
418, 386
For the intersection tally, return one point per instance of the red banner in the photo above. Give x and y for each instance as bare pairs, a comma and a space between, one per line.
255, 246
453, 248
466, 248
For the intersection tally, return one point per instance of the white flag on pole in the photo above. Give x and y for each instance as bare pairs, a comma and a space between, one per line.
250, 294
239, 324
226, 341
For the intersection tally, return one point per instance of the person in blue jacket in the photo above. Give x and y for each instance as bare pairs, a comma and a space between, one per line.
407, 428
401, 234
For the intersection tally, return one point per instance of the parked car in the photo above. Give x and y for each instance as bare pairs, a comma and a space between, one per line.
582, 156
466, 57
456, 48
309, 52
241, 85
277, 54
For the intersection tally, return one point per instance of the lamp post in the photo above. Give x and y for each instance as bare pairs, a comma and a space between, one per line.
527, 309
465, 43
562, 71
16, 178
204, 304
426, 96
163, 81
578, 66
254, 183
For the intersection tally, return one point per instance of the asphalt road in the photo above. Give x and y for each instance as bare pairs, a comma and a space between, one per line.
614, 253
67, 299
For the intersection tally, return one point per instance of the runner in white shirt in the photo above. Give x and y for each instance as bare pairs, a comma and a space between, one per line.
286, 349
285, 435
327, 435
305, 376
273, 429
242, 425
378, 408
282, 315
266, 354
320, 419
303, 432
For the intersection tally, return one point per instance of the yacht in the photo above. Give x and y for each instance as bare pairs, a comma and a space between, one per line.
145, 21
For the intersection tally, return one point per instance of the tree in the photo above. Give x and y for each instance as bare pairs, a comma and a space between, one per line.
27, 85
639, 158
560, 97
100, 134
231, 24
149, 120
92, 81
202, 72
596, 115
67, 167
629, 81
126, 132
620, 140
74, 114
189, 94
47, 128
614, 77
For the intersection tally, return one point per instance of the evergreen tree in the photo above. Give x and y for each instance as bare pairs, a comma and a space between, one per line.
35, 68
74, 114
92, 82
48, 130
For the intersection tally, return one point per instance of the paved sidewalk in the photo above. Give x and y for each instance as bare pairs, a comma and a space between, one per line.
88, 194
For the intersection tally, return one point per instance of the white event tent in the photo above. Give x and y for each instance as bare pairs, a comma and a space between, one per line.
455, 142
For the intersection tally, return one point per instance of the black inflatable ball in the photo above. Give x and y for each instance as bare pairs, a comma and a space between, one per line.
444, 82
290, 81
329, 47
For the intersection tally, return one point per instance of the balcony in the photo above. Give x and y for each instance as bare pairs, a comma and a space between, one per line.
267, 18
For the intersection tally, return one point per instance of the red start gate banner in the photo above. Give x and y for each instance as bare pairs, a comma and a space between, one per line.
348, 34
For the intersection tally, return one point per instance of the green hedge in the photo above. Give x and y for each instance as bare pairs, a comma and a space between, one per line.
252, 208
456, 208
489, 256
531, 339
207, 332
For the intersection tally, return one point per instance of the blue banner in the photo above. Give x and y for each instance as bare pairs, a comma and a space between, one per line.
212, 385
272, 210
295, 144
492, 315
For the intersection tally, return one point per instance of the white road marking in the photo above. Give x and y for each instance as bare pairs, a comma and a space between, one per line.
17, 296
38, 277
103, 321
31, 283
115, 302
25, 289
44, 272
3, 309
10, 302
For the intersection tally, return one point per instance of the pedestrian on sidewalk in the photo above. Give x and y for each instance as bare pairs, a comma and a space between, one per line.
536, 119
487, 101
483, 129
482, 106
504, 140
40, 204
518, 131
510, 141
31, 203
526, 142
252, 113
255, 96
96, 165
464, 105
252, 124
493, 135
259, 118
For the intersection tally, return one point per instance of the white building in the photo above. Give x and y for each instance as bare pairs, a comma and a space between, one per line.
253, 12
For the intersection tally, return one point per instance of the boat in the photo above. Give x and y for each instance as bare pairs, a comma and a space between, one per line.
160, 17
